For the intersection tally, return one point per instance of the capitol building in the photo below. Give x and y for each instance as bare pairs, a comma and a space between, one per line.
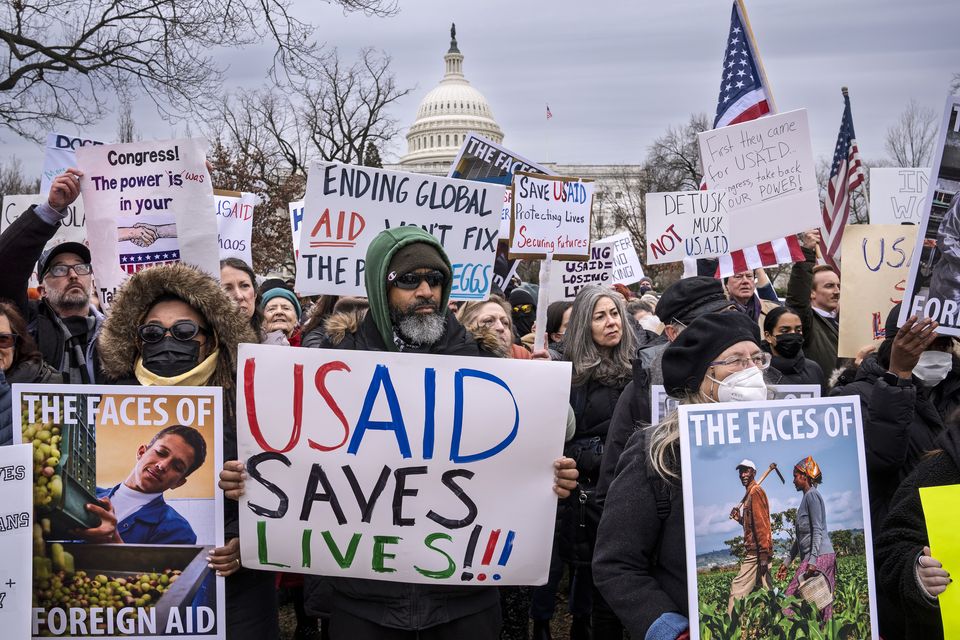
455, 108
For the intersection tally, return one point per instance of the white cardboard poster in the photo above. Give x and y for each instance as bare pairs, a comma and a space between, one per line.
72, 228
551, 214
347, 206
148, 203
400, 467
766, 167
661, 403
626, 263
897, 195
296, 223
569, 276
235, 223
59, 155
16, 512
686, 224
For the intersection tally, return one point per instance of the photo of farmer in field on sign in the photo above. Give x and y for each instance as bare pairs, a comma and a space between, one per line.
753, 513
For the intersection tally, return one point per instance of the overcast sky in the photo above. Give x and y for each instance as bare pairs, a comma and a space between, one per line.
617, 74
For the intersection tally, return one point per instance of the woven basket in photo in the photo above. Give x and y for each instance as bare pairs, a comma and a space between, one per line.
816, 591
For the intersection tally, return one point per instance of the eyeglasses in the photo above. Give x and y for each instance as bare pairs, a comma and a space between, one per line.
182, 330
412, 280
760, 360
523, 308
8, 340
60, 270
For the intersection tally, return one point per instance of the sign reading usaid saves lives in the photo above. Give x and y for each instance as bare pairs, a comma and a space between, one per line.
398, 466
346, 206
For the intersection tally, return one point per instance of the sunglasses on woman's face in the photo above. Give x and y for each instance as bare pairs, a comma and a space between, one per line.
182, 330
8, 340
412, 280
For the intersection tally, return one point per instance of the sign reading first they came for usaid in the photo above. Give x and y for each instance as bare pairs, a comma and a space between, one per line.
400, 467
346, 206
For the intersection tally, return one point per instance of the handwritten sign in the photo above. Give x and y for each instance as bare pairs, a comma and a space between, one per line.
411, 468
72, 228
296, 223
940, 516
626, 264
347, 206
897, 195
661, 403
550, 215
16, 534
148, 203
60, 155
766, 168
568, 277
686, 224
875, 270
235, 223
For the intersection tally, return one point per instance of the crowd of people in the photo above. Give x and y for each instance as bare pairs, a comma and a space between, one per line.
619, 534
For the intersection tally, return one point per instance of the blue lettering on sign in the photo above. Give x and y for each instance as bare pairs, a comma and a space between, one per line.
471, 280
455, 454
381, 378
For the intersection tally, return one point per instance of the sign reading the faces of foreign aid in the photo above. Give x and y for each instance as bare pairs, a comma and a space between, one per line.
400, 467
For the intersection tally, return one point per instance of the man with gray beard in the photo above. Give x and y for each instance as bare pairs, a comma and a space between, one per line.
63, 323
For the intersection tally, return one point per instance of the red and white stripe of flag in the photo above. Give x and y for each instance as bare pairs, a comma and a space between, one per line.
836, 207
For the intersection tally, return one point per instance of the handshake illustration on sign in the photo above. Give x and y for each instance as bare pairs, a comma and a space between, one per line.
144, 234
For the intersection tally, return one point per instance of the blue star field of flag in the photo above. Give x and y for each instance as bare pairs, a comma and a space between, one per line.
740, 74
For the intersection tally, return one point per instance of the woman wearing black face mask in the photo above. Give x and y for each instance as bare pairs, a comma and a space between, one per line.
783, 338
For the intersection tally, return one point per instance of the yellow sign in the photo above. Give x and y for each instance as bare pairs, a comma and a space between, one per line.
940, 512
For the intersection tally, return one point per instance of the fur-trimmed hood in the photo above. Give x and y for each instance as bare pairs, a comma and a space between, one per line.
118, 343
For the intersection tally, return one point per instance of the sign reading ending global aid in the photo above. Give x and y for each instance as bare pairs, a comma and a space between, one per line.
346, 206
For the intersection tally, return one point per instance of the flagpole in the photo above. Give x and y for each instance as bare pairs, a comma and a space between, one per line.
756, 54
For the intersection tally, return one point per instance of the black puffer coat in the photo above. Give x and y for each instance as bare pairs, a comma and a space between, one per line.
797, 370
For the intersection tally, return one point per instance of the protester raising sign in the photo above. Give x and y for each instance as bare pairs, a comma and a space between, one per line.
897, 195
876, 264
71, 229
766, 168
16, 514
812, 441
933, 287
410, 468
235, 223
686, 224
148, 575
148, 203
346, 206
60, 155
550, 215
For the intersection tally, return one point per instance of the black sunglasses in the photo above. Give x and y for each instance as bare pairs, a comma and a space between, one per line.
412, 280
8, 340
182, 330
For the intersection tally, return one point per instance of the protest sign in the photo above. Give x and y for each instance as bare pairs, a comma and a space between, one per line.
933, 286
296, 223
148, 203
714, 439
661, 403
504, 269
551, 214
876, 263
569, 277
148, 577
766, 168
16, 530
72, 228
940, 514
60, 155
626, 263
347, 206
486, 161
411, 468
897, 195
235, 223
686, 224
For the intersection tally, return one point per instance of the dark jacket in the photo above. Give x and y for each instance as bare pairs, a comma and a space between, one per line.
395, 604
903, 536
21, 244
900, 424
820, 335
946, 395
154, 523
30, 371
639, 563
798, 370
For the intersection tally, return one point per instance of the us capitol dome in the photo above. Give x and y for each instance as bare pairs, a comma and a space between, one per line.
445, 116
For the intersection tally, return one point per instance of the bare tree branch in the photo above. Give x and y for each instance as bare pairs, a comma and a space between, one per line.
910, 141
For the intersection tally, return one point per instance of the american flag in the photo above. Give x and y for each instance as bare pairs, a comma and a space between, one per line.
846, 174
549, 113
744, 97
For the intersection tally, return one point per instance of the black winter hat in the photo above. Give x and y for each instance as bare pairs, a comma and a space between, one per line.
521, 296
43, 265
686, 359
689, 298
417, 255
892, 325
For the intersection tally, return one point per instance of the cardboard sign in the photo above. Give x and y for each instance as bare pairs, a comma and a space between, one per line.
296, 223
626, 264
121, 443
550, 215
897, 195
714, 438
235, 223
766, 167
410, 468
148, 203
687, 224
16, 496
72, 228
568, 277
933, 287
940, 514
661, 403
875, 269
347, 206
60, 155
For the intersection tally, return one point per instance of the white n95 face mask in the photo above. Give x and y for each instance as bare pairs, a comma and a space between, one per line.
746, 384
933, 367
